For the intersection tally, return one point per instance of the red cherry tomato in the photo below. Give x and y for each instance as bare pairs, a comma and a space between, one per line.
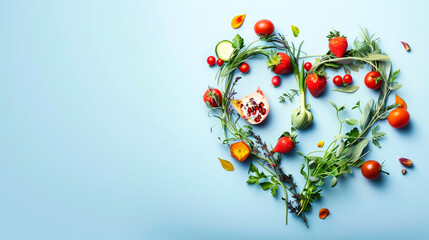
275, 81
211, 60
338, 80
244, 68
219, 62
214, 99
307, 66
264, 27
371, 78
348, 78
398, 118
371, 169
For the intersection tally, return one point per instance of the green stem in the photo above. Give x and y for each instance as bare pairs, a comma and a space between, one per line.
286, 199
308, 56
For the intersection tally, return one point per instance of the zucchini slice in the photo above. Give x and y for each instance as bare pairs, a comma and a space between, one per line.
224, 50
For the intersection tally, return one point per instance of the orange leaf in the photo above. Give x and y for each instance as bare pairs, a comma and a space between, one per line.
226, 165
237, 21
401, 102
406, 46
323, 213
240, 151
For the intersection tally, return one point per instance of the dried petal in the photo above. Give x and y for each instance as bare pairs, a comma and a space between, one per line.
323, 213
237, 21
320, 144
404, 171
405, 162
401, 102
226, 165
406, 46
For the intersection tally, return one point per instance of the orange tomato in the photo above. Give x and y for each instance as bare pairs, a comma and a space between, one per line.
398, 118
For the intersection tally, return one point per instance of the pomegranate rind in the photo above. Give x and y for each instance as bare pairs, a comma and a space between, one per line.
257, 95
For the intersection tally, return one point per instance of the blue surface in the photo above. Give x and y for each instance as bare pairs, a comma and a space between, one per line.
104, 135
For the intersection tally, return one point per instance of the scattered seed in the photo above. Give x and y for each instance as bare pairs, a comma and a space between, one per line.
404, 171
320, 144
405, 162
323, 213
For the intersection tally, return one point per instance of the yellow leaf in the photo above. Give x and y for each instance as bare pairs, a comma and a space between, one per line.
226, 165
295, 30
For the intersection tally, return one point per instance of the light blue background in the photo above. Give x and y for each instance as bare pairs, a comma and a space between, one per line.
104, 134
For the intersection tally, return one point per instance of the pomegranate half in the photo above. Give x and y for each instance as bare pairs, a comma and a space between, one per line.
253, 108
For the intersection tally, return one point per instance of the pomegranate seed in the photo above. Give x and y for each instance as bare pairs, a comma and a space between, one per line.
241, 105
263, 111
261, 104
257, 119
248, 114
254, 112
249, 110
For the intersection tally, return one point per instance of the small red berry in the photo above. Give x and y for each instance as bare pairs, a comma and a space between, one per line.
307, 66
348, 78
219, 62
275, 81
244, 68
211, 60
338, 80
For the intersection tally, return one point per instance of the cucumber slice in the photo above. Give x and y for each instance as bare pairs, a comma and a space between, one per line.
224, 50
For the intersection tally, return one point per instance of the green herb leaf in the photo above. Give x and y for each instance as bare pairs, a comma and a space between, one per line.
253, 180
378, 57
334, 105
274, 190
238, 41
346, 70
314, 179
340, 136
357, 106
395, 87
376, 143
334, 182
340, 149
354, 67
348, 89
266, 185
352, 134
366, 114
252, 168
295, 31
358, 149
351, 121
